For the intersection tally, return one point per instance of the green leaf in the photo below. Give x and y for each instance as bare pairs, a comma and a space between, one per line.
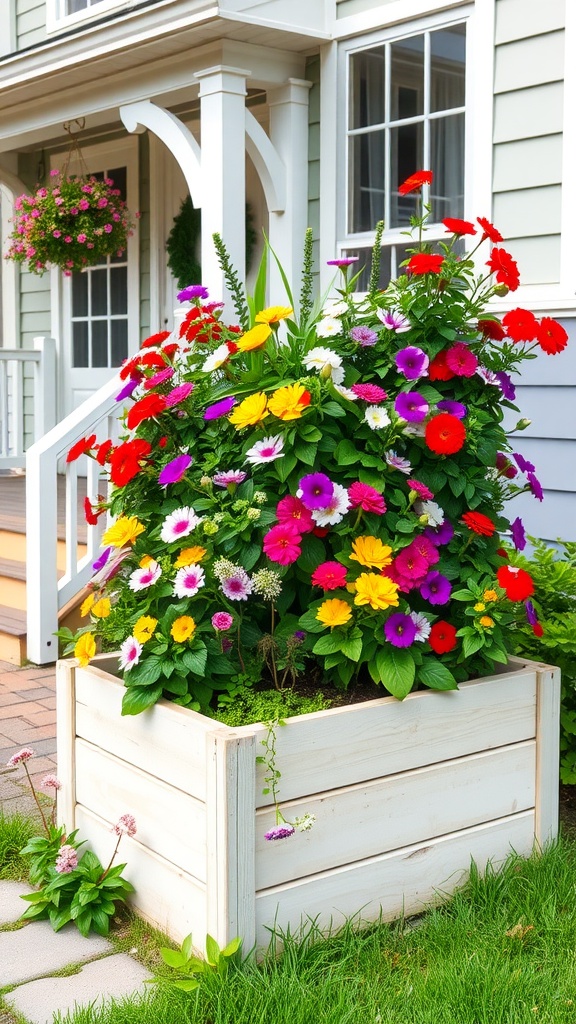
313, 553
397, 670
333, 409
137, 698
328, 644
310, 623
174, 957
232, 947
285, 466
212, 951
187, 947
471, 644
435, 675
347, 454
186, 986
352, 648
147, 672
195, 659
305, 451
177, 686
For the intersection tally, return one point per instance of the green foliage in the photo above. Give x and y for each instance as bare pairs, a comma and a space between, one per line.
42, 852
15, 832
265, 705
191, 970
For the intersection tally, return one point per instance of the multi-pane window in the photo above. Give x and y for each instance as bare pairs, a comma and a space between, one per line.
406, 112
100, 305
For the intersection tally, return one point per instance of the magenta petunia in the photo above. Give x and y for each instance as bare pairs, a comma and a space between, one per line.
400, 630
518, 534
178, 394
127, 390
221, 408
506, 385
343, 261
412, 362
101, 560
535, 486
315, 490
193, 291
461, 360
441, 534
411, 406
453, 408
173, 471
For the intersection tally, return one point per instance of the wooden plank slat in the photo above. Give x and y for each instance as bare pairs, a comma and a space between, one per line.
547, 754
398, 811
65, 733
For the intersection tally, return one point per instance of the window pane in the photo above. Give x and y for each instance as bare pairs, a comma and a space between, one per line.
448, 56
100, 343
118, 176
80, 344
366, 180
76, 5
367, 86
407, 59
99, 292
447, 162
119, 341
79, 294
118, 290
406, 156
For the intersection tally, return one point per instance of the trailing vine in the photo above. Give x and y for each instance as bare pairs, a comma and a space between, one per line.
182, 243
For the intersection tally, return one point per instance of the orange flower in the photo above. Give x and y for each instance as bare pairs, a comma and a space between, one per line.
255, 338
289, 403
334, 612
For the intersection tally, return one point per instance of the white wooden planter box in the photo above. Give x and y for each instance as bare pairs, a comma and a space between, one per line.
405, 794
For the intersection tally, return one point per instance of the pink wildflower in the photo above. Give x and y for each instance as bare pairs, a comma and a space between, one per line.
67, 860
125, 826
23, 755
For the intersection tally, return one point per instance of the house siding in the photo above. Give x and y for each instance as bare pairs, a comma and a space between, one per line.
30, 23
344, 8
144, 233
313, 75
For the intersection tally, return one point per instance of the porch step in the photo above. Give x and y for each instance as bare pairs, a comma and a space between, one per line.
12, 635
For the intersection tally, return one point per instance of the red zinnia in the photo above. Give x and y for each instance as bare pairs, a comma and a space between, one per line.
425, 263
129, 368
445, 434
492, 329
415, 181
442, 637
125, 460
489, 231
520, 324
329, 576
103, 452
150, 405
155, 339
153, 359
479, 523
516, 582
80, 448
439, 369
505, 268
551, 336
459, 227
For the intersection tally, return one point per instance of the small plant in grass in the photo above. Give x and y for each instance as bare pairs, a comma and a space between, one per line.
15, 831
191, 968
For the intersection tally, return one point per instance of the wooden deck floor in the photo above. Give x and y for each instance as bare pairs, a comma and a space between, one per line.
13, 504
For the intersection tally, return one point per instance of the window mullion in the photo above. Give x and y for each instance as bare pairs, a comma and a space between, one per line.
426, 126
387, 116
89, 317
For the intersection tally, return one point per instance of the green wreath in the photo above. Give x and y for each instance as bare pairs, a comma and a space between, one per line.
182, 243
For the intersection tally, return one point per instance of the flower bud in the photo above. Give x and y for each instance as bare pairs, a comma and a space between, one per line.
424, 519
501, 290
205, 481
522, 424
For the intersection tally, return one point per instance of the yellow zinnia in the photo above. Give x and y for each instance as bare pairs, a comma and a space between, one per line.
123, 531
273, 314
87, 604
255, 338
144, 628
182, 628
490, 595
334, 612
372, 552
486, 621
480, 607
252, 410
189, 556
288, 403
377, 591
101, 609
85, 648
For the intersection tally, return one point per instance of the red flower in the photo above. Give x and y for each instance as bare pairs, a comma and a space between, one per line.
129, 368
489, 231
155, 339
80, 448
89, 516
169, 350
439, 369
538, 629
505, 268
415, 181
329, 576
321, 531
125, 460
442, 637
150, 405
425, 263
551, 336
459, 227
103, 452
445, 434
492, 329
520, 324
153, 359
516, 582
479, 523
232, 347
502, 553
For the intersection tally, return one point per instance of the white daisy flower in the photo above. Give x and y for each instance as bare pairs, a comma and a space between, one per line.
179, 524
266, 450
145, 576
217, 358
429, 508
188, 580
328, 326
423, 626
335, 308
335, 511
376, 417
346, 393
130, 652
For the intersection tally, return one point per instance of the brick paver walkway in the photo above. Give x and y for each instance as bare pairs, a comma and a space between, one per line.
27, 719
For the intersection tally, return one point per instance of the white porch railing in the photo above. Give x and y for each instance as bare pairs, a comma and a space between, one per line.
19, 366
46, 595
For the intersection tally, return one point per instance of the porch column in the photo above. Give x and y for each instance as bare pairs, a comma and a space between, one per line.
222, 128
289, 135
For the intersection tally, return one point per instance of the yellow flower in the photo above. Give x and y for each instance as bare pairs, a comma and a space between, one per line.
273, 314
189, 556
144, 628
145, 560
251, 410
87, 604
255, 338
85, 648
123, 531
480, 607
377, 591
372, 552
490, 595
101, 609
288, 403
182, 628
334, 612
486, 621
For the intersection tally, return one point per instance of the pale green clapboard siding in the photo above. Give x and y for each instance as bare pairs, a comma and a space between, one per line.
529, 62
527, 163
544, 205
34, 307
520, 19
528, 113
313, 75
30, 23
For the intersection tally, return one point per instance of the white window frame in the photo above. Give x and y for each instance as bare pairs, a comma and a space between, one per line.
58, 21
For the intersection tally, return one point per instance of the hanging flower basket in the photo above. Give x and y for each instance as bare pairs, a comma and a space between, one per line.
72, 223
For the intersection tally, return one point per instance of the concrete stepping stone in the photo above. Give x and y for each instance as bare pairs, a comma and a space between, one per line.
11, 906
36, 949
113, 977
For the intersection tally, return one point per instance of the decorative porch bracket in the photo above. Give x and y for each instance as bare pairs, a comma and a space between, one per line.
136, 117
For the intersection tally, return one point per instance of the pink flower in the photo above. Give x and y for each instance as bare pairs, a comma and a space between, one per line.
108, 228
367, 498
130, 652
56, 234
159, 378
222, 621
329, 576
461, 360
102, 202
291, 510
84, 204
125, 826
178, 394
369, 393
67, 860
51, 782
23, 755
81, 238
421, 490
282, 543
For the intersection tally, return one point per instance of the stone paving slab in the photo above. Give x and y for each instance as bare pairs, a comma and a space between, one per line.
36, 949
113, 977
11, 906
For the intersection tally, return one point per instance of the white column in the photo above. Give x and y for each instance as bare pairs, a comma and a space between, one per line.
222, 131
289, 135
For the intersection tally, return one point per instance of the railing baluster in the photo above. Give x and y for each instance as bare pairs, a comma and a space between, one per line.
4, 409
71, 520
18, 409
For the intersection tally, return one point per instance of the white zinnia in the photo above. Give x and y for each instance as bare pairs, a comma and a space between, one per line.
328, 326
376, 417
346, 393
429, 508
335, 308
188, 581
218, 357
179, 524
423, 626
145, 576
335, 511
266, 450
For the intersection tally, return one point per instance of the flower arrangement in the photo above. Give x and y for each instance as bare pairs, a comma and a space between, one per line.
72, 223
323, 493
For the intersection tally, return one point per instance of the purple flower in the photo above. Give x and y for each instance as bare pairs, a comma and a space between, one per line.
344, 261
238, 586
411, 406
101, 560
518, 534
299, 636
231, 478
178, 394
454, 408
531, 613
400, 630
435, 588
506, 385
174, 471
394, 321
364, 335
535, 486
412, 362
193, 291
523, 465
227, 644
504, 466
283, 831
222, 408
315, 490
440, 534
127, 390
